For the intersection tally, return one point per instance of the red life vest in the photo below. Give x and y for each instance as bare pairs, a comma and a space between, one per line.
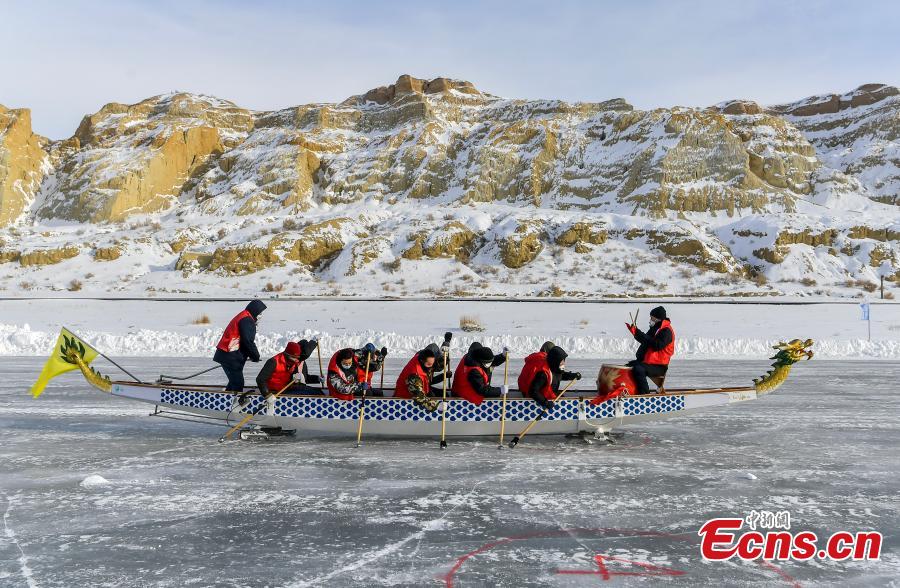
535, 364
661, 356
283, 372
231, 338
461, 386
334, 367
412, 368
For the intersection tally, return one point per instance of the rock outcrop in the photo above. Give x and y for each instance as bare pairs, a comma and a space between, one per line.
127, 160
22, 163
436, 173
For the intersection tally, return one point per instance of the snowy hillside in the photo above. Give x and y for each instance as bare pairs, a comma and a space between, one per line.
437, 188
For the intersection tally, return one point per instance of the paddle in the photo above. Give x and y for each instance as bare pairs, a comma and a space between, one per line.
444, 403
518, 437
362, 402
503, 401
321, 372
246, 419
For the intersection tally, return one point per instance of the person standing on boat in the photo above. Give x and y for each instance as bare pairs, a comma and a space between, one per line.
656, 349
542, 374
473, 374
289, 366
238, 344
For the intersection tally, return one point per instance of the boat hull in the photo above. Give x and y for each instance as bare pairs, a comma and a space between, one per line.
396, 417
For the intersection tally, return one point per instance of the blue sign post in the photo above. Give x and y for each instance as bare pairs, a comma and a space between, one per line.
866, 316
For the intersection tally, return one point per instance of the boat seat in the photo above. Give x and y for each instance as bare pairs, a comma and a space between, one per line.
659, 381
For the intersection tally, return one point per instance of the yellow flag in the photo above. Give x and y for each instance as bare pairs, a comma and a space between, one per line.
60, 360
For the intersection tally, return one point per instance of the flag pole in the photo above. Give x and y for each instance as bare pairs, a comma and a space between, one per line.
103, 355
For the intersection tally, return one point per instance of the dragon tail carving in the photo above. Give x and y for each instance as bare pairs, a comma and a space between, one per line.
72, 354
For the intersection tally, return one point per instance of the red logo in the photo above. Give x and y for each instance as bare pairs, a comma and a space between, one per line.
720, 541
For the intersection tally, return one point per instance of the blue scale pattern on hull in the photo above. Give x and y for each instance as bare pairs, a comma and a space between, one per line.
407, 410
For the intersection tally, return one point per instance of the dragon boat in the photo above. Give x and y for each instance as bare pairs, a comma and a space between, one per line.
580, 412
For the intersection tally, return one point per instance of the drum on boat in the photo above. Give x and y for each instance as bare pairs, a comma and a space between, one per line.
612, 381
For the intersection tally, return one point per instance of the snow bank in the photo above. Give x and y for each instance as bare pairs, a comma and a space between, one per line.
23, 341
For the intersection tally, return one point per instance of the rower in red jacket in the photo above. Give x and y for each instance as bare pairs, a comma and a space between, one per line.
542, 374
472, 380
289, 366
347, 376
417, 377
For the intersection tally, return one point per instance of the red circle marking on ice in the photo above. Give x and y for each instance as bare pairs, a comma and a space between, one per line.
458, 564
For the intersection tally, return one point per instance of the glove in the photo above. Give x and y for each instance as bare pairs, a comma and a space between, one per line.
298, 377
447, 337
550, 404
365, 386
631, 328
384, 352
505, 350
504, 390
449, 373
315, 339
314, 342
577, 375
440, 406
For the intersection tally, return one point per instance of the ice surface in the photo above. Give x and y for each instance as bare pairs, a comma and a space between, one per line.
184, 510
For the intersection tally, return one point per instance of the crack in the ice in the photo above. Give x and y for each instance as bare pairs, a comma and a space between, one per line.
572, 535
430, 524
11, 535
387, 549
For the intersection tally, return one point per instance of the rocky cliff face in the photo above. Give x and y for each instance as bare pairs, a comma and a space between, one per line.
857, 133
22, 163
435, 186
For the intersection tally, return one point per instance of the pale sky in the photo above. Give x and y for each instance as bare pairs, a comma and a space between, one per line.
66, 59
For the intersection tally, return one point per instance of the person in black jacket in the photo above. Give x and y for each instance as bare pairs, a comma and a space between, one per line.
238, 344
437, 370
656, 348
484, 358
303, 351
556, 359
487, 358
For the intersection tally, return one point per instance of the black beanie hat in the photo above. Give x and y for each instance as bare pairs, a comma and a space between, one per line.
659, 312
344, 354
426, 353
482, 354
555, 357
547, 346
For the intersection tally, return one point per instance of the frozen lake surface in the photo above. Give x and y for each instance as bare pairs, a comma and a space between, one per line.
172, 507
